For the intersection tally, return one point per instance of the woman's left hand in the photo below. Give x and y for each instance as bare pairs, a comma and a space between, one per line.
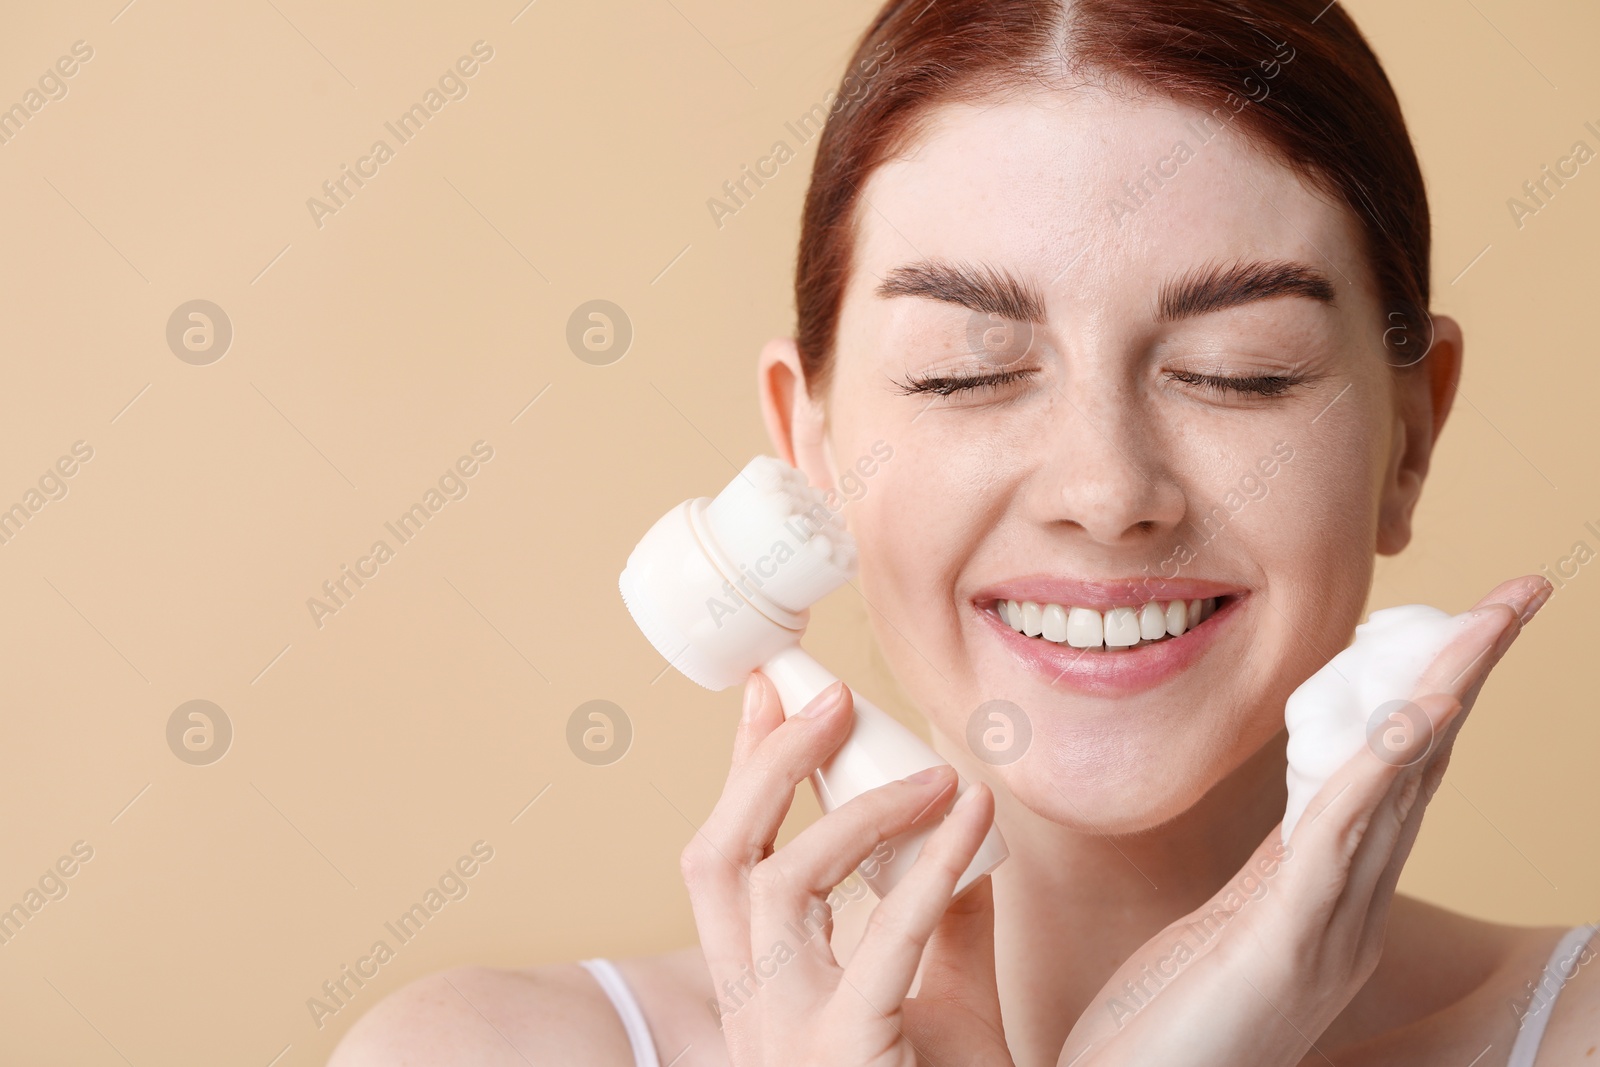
1257, 973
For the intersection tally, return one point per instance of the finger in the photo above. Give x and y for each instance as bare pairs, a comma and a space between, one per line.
1524, 595
1462, 671
759, 715
1382, 893
1438, 711
1485, 635
1341, 815
789, 890
1393, 825
1409, 797
884, 964
1466, 662
958, 964
739, 832
1355, 791
759, 792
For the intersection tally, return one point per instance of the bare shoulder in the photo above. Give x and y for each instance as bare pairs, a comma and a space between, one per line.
1573, 1033
489, 1016
1450, 986
555, 1014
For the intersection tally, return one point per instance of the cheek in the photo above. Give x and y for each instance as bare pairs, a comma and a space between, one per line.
922, 516
908, 526
1326, 499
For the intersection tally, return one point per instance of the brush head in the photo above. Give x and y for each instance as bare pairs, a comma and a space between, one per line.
778, 531
720, 585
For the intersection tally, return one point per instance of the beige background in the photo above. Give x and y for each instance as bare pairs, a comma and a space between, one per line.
368, 354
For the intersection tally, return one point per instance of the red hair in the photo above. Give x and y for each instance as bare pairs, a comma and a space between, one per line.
1332, 118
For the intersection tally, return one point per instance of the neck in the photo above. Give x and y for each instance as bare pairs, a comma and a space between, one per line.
1070, 907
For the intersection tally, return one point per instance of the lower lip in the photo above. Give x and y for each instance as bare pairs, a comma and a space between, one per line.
1101, 672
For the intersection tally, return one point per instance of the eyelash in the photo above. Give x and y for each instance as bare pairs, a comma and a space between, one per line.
1268, 385
1262, 385
944, 386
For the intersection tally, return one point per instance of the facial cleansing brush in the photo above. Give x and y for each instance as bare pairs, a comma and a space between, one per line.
724, 586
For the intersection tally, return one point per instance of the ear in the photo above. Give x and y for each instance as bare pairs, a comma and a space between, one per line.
796, 423
1424, 393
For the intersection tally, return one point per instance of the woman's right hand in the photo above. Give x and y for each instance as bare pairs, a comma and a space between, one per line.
765, 923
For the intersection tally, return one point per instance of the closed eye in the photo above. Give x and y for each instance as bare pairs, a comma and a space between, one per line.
946, 385
1258, 385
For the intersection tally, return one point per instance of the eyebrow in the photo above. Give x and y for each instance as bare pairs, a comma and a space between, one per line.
982, 288
1210, 288
1219, 285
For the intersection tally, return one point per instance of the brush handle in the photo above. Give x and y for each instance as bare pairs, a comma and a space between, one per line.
879, 750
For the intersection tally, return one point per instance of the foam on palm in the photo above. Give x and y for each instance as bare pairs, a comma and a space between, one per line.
1335, 711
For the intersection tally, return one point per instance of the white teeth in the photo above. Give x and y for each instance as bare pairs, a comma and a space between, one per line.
1055, 623
1120, 627
1085, 628
1152, 622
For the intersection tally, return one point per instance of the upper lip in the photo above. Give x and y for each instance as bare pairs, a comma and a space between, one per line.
1102, 594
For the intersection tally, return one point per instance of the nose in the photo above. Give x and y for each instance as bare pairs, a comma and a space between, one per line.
1104, 469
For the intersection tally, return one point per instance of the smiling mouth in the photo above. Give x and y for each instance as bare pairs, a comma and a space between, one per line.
1114, 630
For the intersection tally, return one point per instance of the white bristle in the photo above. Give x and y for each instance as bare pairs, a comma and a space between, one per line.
779, 533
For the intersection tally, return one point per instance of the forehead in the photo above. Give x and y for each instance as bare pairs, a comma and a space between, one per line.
1097, 196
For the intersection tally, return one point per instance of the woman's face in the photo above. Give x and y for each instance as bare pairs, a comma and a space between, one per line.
1203, 409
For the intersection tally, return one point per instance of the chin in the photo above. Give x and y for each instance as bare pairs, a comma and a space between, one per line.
1109, 794
1111, 816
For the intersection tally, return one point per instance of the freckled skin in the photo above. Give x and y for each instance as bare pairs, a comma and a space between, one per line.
1099, 465
1126, 813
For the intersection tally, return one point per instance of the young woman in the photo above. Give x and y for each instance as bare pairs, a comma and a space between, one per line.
1121, 303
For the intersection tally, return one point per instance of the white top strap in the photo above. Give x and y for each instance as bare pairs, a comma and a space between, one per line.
1564, 963
621, 996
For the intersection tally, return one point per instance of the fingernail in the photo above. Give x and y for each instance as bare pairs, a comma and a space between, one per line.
964, 800
824, 702
928, 774
1535, 604
752, 697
